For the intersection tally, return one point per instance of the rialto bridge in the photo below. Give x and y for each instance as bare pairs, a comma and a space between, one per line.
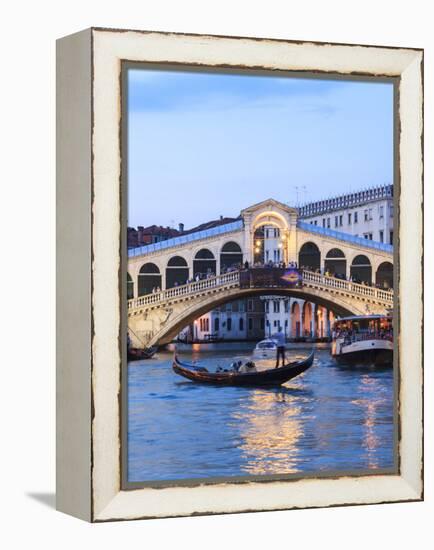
173, 282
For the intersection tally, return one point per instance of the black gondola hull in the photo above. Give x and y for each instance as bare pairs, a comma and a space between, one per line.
269, 377
136, 354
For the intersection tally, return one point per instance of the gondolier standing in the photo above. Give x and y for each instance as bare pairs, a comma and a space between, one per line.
279, 337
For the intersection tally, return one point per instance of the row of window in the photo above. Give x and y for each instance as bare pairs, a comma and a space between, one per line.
241, 306
352, 217
204, 324
346, 200
277, 323
272, 233
275, 257
276, 306
370, 236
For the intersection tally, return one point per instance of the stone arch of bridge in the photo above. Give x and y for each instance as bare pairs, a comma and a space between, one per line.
196, 308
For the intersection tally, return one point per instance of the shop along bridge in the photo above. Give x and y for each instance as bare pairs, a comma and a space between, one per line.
172, 282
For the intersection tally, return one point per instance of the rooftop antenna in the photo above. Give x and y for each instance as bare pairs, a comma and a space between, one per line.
296, 196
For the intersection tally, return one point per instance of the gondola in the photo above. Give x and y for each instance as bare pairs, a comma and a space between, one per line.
269, 377
137, 354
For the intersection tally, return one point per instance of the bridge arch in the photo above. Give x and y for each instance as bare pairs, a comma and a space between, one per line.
335, 262
309, 256
177, 271
149, 278
384, 275
173, 319
204, 262
361, 269
230, 255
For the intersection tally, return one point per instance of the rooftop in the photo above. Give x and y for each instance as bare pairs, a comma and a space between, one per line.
195, 234
347, 200
211, 224
359, 241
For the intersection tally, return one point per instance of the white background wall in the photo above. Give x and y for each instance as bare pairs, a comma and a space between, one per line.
27, 227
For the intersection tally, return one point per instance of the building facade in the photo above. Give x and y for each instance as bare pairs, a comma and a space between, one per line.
234, 321
368, 213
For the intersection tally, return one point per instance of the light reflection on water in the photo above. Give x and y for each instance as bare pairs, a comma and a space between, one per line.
331, 418
271, 430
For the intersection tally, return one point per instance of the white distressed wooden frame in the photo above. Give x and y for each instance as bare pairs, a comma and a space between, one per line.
88, 311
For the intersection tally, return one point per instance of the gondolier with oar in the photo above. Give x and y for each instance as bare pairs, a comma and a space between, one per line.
279, 337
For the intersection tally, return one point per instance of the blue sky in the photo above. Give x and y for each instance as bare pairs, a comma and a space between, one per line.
201, 145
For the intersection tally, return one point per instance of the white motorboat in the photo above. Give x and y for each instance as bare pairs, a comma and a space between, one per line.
265, 349
363, 339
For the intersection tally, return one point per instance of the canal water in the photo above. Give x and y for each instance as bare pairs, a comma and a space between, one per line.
333, 418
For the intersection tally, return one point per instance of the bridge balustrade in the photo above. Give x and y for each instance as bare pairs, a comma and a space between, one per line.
234, 279
354, 288
183, 290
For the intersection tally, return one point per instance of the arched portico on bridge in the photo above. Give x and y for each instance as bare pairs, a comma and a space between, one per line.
231, 256
384, 275
177, 271
361, 269
149, 279
309, 257
204, 263
335, 263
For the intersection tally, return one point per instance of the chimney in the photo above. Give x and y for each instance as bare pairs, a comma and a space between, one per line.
221, 217
181, 227
140, 235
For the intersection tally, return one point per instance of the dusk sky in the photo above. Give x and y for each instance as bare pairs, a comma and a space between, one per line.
202, 145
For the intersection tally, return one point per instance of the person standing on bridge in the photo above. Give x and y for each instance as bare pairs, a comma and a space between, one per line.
279, 337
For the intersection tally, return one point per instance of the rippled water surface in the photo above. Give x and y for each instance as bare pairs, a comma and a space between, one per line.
331, 418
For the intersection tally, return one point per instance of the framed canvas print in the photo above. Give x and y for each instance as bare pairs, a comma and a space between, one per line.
239, 305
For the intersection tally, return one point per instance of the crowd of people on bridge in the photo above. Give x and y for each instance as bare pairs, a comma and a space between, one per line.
209, 273
352, 279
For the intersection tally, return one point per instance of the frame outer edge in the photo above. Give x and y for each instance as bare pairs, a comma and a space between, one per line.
73, 275
110, 503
